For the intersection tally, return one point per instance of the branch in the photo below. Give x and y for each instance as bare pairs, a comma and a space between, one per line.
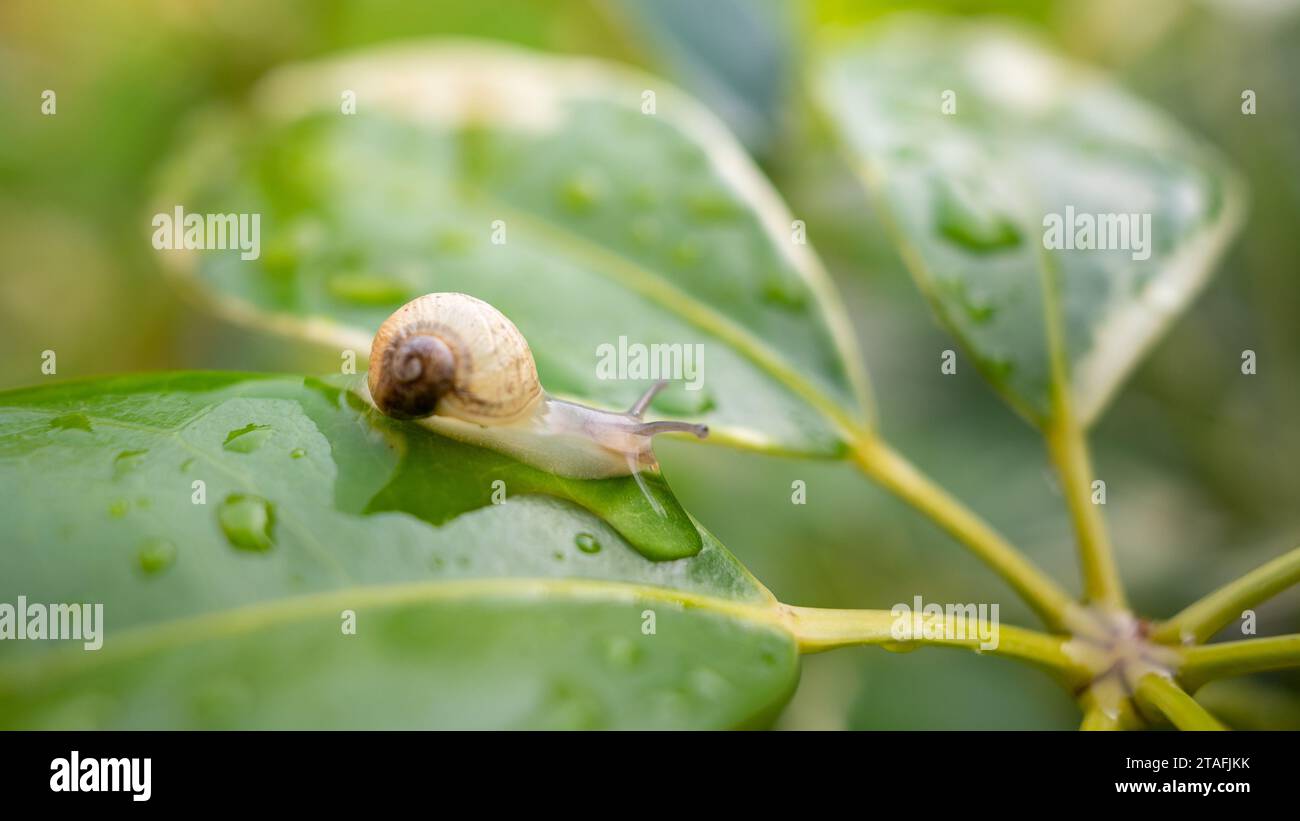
1120, 716
1238, 658
1068, 447
895, 473
1171, 701
821, 629
1199, 621
1096, 719
1069, 452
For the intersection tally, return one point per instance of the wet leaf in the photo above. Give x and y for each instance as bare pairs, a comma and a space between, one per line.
233, 612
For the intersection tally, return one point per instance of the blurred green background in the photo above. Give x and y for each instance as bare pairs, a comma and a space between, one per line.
1200, 461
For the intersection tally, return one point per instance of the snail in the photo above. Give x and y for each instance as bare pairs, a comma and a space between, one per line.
459, 367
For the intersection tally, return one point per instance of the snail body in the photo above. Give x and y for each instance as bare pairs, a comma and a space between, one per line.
459, 367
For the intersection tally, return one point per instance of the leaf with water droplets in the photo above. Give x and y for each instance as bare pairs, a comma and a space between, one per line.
546, 611
976, 139
539, 185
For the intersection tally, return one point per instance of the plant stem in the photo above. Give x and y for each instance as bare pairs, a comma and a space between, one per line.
1068, 446
820, 629
1069, 451
1096, 719
1201, 620
1175, 704
1237, 658
895, 473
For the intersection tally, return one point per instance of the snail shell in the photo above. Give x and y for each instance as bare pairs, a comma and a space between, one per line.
456, 356
462, 369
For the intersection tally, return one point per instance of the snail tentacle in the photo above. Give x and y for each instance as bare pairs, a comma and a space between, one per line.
638, 409
669, 426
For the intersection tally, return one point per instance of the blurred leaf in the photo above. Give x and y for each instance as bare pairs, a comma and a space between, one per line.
736, 55
969, 193
228, 613
929, 690
618, 225
1244, 704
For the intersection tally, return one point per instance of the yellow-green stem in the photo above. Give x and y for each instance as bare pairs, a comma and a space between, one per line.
1199, 621
895, 473
1238, 658
819, 629
1068, 445
1069, 451
1094, 718
1167, 698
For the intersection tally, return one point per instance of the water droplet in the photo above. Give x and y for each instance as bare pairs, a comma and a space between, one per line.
453, 241
622, 652
973, 222
582, 192
980, 312
187, 464
118, 508
156, 555
783, 293
248, 438
587, 543
708, 684
127, 461
558, 555
715, 205
71, 421
999, 367
297, 453
686, 253
248, 522
979, 309
901, 646
368, 289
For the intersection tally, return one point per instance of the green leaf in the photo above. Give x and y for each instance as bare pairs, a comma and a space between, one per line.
736, 55
229, 613
618, 225
968, 193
